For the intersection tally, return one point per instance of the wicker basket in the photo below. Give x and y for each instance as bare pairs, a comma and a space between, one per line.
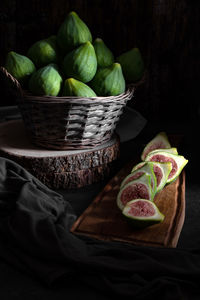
69, 122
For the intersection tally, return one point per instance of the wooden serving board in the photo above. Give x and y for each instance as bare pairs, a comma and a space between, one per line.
58, 168
104, 221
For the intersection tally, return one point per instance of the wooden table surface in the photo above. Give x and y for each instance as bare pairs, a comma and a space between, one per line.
103, 220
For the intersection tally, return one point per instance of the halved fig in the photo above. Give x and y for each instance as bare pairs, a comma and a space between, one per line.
142, 213
138, 166
147, 168
161, 171
138, 188
172, 150
160, 141
178, 162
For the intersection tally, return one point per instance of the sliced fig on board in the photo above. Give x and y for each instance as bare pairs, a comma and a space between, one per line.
138, 188
178, 162
172, 150
142, 213
160, 141
138, 166
161, 171
147, 168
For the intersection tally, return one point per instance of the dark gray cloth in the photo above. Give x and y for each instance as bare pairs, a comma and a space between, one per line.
35, 237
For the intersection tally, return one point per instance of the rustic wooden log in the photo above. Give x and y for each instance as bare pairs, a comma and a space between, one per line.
57, 169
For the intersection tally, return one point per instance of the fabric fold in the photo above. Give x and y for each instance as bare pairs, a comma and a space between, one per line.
35, 237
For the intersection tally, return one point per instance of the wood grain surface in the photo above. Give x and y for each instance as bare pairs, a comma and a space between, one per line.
103, 220
58, 168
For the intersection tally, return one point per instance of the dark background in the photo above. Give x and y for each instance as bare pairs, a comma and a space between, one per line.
166, 31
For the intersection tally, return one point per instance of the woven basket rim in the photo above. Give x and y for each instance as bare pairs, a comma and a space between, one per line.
24, 95
80, 100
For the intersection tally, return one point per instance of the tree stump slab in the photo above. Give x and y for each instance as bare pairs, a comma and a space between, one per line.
57, 168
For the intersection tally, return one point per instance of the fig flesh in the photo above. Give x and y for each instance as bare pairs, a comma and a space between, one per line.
142, 213
146, 168
158, 142
178, 162
138, 188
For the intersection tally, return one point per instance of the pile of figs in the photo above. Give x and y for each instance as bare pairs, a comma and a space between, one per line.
71, 63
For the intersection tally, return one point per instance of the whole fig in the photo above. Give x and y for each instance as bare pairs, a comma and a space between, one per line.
19, 66
73, 32
44, 52
46, 81
81, 63
73, 87
132, 65
105, 57
109, 81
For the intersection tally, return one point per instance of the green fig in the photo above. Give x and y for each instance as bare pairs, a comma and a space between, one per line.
46, 81
73, 87
105, 57
81, 63
19, 66
44, 52
132, 65
73, 32
109, 81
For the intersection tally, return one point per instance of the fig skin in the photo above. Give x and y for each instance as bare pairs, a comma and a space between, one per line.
132, 64
105, 57
72, 33
76, 88
46, 81
81, 63
44, 52
19, 66
109, 81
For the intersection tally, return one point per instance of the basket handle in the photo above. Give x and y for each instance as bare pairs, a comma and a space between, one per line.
12, 83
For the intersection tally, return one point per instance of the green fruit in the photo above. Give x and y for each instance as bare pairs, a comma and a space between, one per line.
161, 171
137, 166
73, 87
132, 65
46, 81
142, 213
109, 81
172, 150
72, 33
138, 188
19, 66
81, 63
146, 168
105, 57
44, 52
159, 141
178, 162
52, 40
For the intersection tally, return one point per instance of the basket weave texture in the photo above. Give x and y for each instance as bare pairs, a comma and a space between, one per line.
70, 122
